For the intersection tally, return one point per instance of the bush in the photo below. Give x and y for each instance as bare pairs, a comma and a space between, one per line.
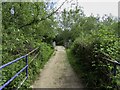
89, 48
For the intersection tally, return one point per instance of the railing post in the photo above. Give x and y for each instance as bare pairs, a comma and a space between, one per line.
114, 69
114, 73
26, 58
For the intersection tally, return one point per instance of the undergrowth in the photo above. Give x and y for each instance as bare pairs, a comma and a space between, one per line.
89, 49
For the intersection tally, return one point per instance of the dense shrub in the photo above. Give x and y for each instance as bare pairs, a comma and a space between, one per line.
22, 31
89, 48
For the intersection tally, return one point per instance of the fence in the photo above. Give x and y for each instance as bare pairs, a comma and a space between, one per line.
114, 63
24, 68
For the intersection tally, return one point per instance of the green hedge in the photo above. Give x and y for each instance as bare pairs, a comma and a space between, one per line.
89, 49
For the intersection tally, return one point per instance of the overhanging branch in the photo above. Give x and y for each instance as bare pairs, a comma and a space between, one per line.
44, 18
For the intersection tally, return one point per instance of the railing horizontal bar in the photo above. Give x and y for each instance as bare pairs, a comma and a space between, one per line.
114, 62
34, 58
13, 77
17, 59
12, 62
21, 83
111, 60
32, 51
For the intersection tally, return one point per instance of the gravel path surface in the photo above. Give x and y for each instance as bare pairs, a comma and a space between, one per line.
58, 73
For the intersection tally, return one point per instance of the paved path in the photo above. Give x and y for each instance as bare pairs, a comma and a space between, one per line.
58, 73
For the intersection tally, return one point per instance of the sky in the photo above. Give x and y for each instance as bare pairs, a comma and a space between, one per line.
100, 7
92, 6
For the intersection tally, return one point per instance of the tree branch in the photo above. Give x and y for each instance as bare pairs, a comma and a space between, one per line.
44, 18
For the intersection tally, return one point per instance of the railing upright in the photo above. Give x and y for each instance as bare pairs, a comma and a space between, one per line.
26, 58
115, 67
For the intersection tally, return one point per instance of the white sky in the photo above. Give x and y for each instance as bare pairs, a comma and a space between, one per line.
100, 7
93, 6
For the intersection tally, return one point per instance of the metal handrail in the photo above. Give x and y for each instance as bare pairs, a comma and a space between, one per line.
9, 63
24, 68
113, 61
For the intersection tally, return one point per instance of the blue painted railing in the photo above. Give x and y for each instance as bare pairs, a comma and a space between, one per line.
24, 68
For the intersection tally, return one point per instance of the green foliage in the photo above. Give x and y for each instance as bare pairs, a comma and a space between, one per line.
108, 42
24, 13
21, 33
25, 29
89, 48
92, 38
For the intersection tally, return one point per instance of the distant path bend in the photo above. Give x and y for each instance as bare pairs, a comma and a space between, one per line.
58, 73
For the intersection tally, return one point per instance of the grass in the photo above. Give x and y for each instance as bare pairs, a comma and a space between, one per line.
76, 66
